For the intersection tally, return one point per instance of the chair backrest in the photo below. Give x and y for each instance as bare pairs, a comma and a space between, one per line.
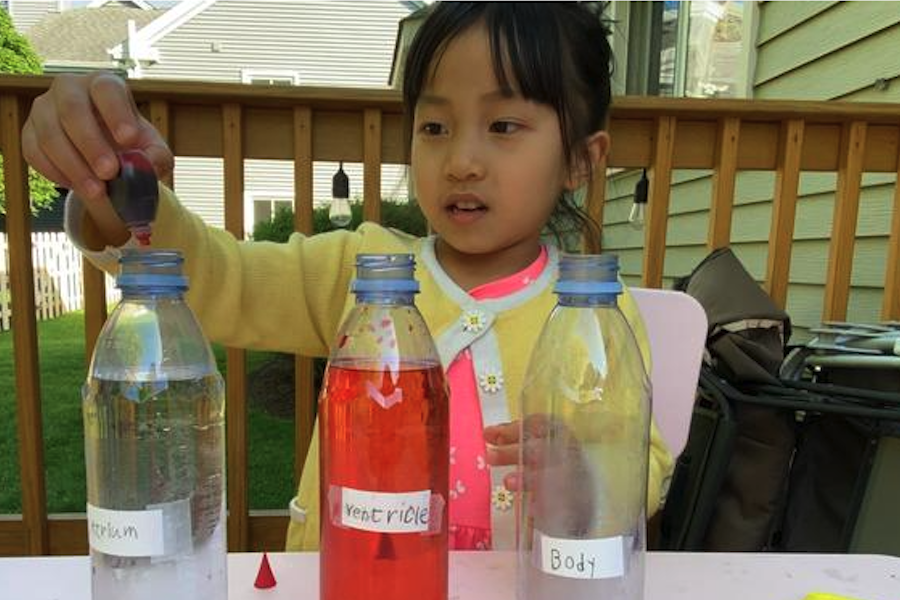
676, 325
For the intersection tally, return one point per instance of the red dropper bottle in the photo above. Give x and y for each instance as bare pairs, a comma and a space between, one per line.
134, 194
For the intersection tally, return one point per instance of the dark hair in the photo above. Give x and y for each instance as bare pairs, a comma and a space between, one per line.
556, 53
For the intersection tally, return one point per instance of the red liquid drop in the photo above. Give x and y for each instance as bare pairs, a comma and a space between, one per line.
265, 579
367, 447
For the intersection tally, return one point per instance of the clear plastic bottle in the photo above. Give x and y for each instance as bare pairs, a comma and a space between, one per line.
154, 444
585, 429
384, 456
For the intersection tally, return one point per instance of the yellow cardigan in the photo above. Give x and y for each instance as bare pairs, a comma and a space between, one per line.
292, 298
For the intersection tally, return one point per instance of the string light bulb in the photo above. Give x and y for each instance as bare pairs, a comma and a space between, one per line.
638, 214
339, 213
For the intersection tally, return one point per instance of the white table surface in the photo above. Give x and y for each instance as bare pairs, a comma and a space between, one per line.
490, 575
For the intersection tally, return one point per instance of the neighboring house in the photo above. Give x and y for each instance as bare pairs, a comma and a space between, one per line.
265, 42
26, 13
844, 51
90, 33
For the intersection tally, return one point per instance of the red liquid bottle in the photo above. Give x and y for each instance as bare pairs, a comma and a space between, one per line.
384, 457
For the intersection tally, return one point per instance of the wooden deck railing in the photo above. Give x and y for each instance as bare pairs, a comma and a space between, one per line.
236, 122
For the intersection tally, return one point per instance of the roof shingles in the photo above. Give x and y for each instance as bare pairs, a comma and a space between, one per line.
85, 34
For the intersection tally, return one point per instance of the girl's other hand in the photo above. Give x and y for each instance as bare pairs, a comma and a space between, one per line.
503, 445
503, 449
73, 133
555, 461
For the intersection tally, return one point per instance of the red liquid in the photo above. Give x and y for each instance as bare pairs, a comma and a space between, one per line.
404, 448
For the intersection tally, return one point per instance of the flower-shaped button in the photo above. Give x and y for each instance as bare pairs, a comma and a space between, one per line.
473, 321
502, 498
491, 381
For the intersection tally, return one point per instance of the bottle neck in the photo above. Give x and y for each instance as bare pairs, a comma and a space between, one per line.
385, 298
588, 300
140, 293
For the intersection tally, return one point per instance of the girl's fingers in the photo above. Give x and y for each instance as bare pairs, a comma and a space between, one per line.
115, 108
120, 118
83, 126
48, 148
502, 434
38, 160
502, 455
160, 155
535, 454
119, 115
513, 481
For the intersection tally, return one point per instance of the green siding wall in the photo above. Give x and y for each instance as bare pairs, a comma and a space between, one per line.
832, 51
688, 224
808, 51
843, 48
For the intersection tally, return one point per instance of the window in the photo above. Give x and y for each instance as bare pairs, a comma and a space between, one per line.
264, 209
270, 77
697, 49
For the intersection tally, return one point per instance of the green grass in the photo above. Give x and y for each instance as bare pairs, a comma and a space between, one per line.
62, 371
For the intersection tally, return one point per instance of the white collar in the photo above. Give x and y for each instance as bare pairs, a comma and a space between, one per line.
462, 298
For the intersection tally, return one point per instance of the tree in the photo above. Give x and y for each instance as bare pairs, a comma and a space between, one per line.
17, 56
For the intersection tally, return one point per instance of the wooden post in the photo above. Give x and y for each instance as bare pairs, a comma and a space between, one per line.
784, 209
304, 386
95, 312
159, 116
24, 326
890, 308
236, 378
660, 174
372, 165
723, 184
846, 213
596, 197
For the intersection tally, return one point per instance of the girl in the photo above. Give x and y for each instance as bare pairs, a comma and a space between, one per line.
508, 103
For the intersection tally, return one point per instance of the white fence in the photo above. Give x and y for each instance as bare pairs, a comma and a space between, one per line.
57, 278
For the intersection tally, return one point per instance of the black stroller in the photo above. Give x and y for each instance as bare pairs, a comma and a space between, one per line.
788, 450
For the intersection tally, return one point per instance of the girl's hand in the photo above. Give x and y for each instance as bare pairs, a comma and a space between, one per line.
73, 133
504, 445
555, 461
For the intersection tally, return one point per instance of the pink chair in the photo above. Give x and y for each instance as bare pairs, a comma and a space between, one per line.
676, 325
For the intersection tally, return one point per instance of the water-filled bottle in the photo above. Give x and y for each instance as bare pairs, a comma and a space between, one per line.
585, 433
384, 456
154, 444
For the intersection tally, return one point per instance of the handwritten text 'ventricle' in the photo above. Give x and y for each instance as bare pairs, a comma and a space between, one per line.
404, 512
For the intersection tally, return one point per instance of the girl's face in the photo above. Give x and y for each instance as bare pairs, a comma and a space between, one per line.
488, 168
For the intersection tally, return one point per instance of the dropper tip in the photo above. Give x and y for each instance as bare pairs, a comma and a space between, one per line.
143, 237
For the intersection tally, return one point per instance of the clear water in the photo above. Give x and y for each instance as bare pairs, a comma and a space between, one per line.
160, 444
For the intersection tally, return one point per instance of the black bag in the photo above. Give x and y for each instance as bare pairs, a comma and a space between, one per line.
789, 455
738, 455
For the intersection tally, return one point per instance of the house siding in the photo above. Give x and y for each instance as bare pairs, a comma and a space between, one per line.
338, 44
26, 13
841, 49
832, 51
805, 51
327, 43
